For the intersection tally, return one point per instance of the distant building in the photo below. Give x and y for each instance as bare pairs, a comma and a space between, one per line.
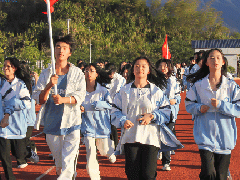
229, 47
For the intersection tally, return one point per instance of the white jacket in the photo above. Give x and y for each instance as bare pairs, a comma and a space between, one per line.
76, 87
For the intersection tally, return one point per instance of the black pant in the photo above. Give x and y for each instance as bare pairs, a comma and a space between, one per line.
214, 166
114, 135
166, 155
140, 161
29, 144
5, 147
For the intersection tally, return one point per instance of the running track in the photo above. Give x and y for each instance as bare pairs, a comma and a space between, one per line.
185, 164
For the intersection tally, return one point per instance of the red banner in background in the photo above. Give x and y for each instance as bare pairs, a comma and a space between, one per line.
165, 50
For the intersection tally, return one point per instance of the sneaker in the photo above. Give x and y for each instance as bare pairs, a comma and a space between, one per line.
50, 155
34, 157
112, 158
172, 152
21, 166
159, 156
166, 167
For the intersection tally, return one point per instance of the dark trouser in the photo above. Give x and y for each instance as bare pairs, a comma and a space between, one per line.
166, 156
29, 144
140, 161
5, 147
214, 166
114, 135
19, 150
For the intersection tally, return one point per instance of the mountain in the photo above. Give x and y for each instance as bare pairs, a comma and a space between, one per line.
230, 11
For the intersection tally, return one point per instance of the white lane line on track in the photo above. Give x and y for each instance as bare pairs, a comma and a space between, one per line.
37, 134
45, 173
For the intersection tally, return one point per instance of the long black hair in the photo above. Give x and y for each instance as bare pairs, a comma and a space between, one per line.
103, 77
22, 72
126, 67
156, 77
169, 65
204, 70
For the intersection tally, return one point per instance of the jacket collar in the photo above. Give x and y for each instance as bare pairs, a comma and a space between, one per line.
206, 85
153, 88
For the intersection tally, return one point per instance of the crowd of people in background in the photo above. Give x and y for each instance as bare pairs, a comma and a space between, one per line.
140, 98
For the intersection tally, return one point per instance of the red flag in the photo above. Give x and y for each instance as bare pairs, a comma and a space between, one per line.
165, 50
52, 2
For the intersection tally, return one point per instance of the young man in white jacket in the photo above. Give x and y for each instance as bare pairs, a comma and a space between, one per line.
60, 113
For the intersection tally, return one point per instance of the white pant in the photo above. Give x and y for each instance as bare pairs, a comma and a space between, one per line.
105, 147
65, 150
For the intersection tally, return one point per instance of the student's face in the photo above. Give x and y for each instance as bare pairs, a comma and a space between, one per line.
90, 73
141, 69
163, 67
8, 68
62, 51
123, 64
215, 61
101, 65
125, 73
193, 61
111, 75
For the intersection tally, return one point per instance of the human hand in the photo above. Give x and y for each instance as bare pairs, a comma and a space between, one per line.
204, 108
128, 124
146, 118
214, 102
173, 101
5, 121
82, 109
57, 99
53, 80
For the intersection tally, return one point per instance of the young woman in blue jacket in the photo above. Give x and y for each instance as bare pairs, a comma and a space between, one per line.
12, 136
141, 110
96, 127
214, 100
172, 91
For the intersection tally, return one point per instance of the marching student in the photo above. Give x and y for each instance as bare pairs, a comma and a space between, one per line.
172, 91
13, 135
7, 100
31, 118
96, 127
141, 110
60, 113
114, 87
214, 100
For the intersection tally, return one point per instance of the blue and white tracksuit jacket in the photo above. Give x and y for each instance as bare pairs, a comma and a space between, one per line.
173, 92
216, 129
116, 84
161, 113
76, 87
7, 96
17, 127
185, 82
96, 117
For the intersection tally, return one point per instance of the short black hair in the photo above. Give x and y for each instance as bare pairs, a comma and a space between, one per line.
68, 39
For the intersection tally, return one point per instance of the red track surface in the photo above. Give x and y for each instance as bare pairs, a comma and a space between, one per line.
185, 164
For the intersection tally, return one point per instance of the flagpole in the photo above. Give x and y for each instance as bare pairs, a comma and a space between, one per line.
51, 43
167, 47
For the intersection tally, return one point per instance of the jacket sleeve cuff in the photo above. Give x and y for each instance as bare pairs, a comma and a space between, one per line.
123, 120
219, 104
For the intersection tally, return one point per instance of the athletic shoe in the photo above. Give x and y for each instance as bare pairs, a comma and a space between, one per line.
166, 167
159, 156
172, 152
112, 158
50, 155
34, 157
21, 166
